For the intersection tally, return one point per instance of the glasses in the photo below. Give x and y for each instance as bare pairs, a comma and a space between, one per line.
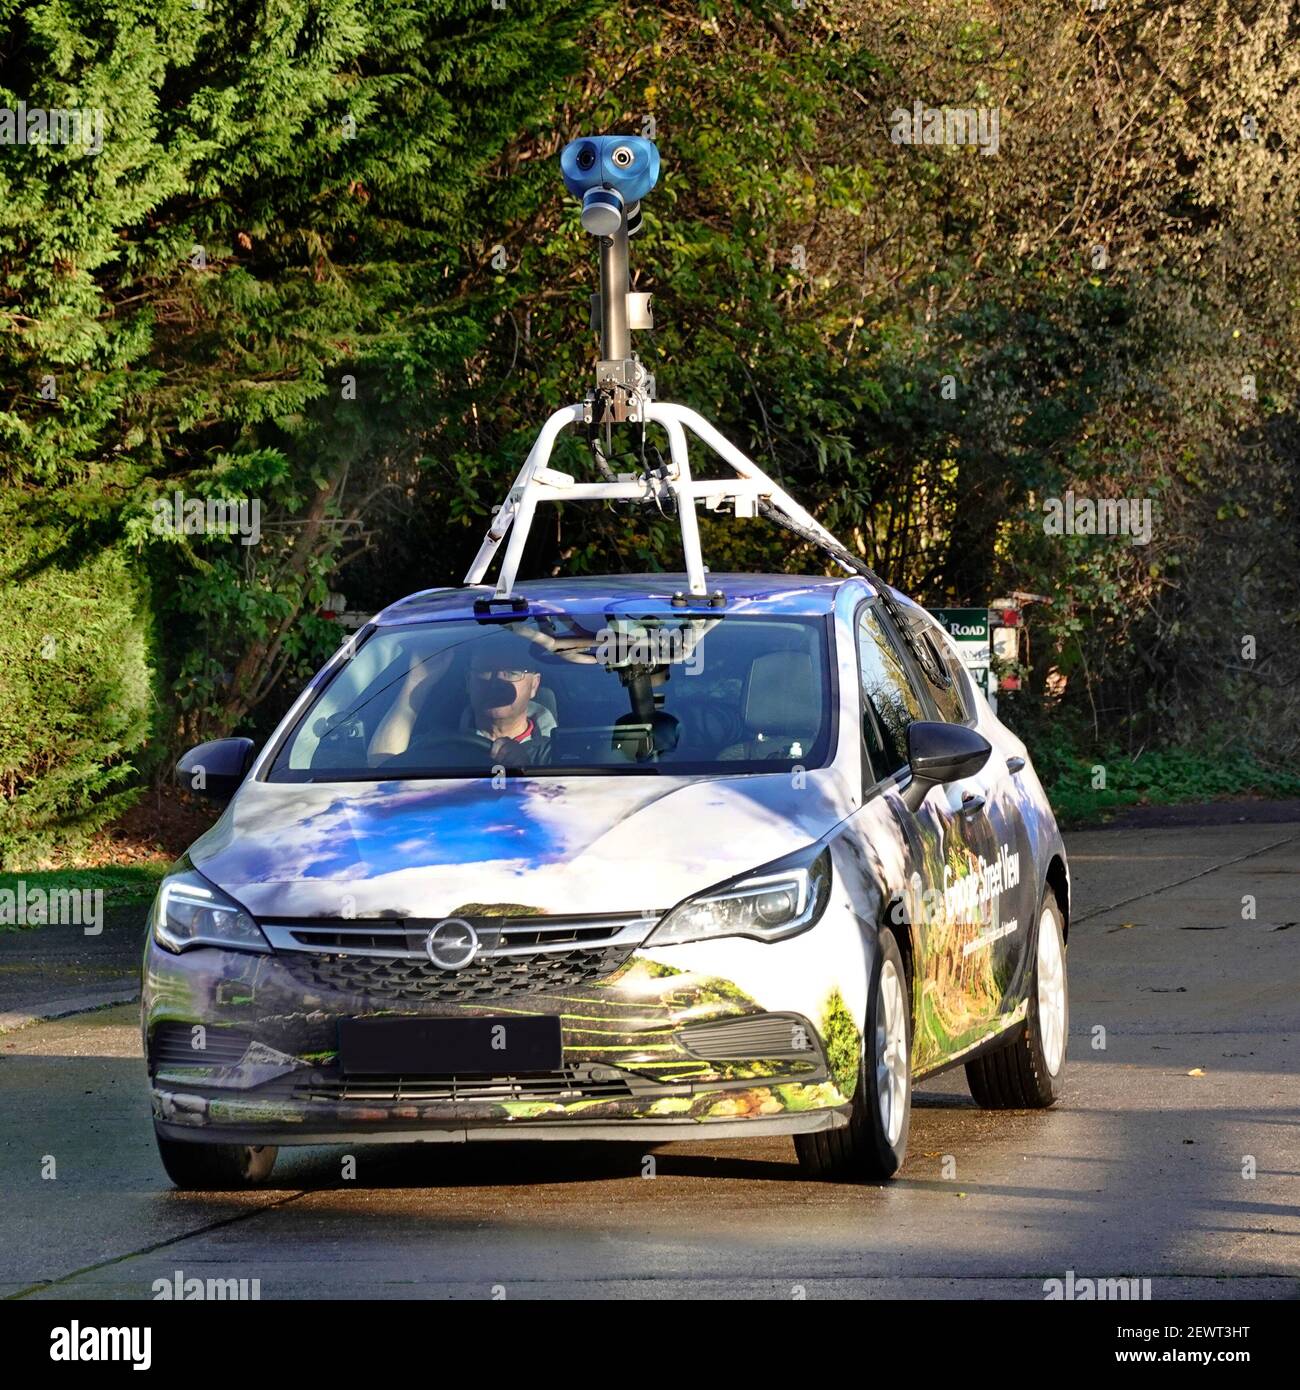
510, 674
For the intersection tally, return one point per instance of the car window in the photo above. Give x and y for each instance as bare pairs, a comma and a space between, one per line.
572, 693
949, 694
889, 704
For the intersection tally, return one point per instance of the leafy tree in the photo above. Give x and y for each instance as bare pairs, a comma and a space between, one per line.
324, 262
256, 289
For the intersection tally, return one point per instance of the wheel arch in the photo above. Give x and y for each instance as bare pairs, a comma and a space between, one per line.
896, 919
1058, 880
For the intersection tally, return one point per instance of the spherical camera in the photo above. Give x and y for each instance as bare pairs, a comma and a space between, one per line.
609, 173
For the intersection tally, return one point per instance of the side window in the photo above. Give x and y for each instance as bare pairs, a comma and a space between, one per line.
889, 704
949, 695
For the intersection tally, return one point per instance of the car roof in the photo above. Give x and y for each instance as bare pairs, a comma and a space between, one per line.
807, 594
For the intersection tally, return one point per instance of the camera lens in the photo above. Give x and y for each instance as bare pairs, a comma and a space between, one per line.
586, 157
622, 156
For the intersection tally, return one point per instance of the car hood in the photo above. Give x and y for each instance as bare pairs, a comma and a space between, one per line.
435, 849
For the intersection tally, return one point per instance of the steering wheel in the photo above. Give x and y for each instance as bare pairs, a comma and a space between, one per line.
714, 725
780, 751
426, 749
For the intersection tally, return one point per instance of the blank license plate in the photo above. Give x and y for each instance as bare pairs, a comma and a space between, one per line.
448, 1046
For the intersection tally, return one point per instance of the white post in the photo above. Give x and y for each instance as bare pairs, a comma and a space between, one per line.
510, 509
686, 518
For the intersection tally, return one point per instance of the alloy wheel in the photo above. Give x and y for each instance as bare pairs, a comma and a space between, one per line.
1051, 992
891, 1051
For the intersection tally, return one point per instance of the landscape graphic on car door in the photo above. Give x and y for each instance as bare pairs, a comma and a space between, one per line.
960, 902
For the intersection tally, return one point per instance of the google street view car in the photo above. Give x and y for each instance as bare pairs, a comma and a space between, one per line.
647, 857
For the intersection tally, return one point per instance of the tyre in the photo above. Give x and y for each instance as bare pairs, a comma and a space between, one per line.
215, 1167
873, 1145
1026, 1073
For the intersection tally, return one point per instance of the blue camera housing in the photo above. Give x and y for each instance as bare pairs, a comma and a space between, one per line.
627, 165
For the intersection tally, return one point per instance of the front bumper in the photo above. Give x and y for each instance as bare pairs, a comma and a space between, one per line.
313, 1128
640, 1056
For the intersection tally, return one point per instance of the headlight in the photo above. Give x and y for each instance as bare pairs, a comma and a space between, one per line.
776, 901
190, 911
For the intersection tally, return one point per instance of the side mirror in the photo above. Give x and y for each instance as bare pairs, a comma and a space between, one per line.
941, 753
216, 769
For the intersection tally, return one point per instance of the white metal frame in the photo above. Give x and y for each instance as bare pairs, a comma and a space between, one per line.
537, 483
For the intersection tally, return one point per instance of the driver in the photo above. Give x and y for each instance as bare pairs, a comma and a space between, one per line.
503, 678
501, 711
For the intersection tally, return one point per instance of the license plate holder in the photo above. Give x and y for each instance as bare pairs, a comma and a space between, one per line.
504, 1046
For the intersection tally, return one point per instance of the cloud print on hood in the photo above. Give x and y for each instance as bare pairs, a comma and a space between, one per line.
415, 849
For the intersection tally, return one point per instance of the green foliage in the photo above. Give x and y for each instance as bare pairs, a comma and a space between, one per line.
324, 262
1214, 767
76, 664
255, 289
843, 1043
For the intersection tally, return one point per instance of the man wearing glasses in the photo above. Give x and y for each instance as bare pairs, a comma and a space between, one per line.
501, 714
503, 680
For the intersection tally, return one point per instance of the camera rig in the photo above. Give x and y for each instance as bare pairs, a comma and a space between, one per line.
611, 174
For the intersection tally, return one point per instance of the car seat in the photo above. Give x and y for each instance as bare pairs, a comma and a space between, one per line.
782, 707
546, 696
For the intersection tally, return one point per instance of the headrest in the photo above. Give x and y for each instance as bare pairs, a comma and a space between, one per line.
782, 695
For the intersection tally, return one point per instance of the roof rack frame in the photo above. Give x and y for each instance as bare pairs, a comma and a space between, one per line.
537, 483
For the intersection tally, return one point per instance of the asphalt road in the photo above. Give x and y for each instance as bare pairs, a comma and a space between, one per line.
1141, 1172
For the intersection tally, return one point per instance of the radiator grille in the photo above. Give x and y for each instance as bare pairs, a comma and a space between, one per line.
487, 977
498, 935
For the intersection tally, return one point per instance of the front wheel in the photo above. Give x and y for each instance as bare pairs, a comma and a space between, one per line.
196, 1167
873, 1145
1026, 1073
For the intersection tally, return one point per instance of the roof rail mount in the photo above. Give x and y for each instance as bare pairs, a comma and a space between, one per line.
611, 174
483, 606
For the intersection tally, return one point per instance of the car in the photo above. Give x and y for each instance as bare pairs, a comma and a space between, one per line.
613, 859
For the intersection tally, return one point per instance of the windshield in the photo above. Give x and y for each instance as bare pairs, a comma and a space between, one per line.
570, 694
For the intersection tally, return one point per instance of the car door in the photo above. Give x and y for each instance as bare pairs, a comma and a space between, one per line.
952, 848
1011, 933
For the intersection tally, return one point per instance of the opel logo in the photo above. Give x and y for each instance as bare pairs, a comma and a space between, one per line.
452, 944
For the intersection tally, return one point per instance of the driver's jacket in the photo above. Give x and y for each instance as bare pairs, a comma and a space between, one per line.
539, 733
